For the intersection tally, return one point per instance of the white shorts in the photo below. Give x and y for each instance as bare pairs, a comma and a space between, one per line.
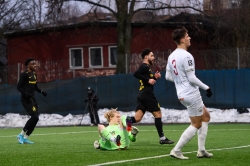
194, 105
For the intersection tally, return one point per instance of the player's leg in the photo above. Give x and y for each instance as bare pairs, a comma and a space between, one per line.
29, 106
159, 127
195, 116
138, 115
133, 134
153, 107
107, 135
140, 110
30, 126
202, 135
186, 136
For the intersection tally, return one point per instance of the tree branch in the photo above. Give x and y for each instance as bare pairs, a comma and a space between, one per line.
96, 4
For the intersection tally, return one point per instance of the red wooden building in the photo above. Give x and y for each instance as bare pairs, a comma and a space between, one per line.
87, 49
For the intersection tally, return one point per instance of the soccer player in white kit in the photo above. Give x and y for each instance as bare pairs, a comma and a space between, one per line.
181, 70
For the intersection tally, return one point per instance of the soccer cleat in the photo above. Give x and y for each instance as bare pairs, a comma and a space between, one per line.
166, 141
204, 153
26, 141
178, 155
129, 123
118, 140
134, 130
20, 138
97, 145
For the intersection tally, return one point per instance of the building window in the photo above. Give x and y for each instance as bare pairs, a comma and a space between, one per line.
95, 57
207, 6
112, 56
76, 58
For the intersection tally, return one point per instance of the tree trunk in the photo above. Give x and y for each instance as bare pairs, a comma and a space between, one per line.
124, 38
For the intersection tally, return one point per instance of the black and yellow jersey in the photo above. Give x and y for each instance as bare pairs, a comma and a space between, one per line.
28, 83
144, 73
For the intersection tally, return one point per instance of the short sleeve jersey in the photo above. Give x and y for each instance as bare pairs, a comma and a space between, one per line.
179, 62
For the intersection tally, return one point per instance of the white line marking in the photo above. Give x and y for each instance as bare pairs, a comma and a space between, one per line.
55, 133
146, 158
78, 132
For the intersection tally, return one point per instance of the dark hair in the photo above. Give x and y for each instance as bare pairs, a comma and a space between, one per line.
28, 60
178, 34
145, 52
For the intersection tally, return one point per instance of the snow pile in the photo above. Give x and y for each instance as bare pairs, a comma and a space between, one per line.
168, 116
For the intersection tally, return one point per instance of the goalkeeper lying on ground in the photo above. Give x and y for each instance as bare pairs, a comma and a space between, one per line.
118, 134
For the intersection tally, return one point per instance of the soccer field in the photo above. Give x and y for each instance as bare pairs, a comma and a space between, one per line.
73, 146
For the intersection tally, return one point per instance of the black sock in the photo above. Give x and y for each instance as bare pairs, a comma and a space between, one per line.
133, 119
158, 125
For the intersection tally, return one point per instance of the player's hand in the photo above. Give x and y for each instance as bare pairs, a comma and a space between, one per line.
151, 81
157, 75
209, 92
44, 93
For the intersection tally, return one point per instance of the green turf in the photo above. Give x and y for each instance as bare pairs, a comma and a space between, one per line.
73, 146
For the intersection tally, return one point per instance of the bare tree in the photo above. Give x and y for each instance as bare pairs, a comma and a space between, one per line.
40, 13
231, 35
123, 11
10, 18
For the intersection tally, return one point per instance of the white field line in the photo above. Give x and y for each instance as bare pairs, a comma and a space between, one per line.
153, 157
79, 132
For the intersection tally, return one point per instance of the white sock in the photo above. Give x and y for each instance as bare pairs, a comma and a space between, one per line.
202, 135
22, 132
163, 138
186, 136
25, 136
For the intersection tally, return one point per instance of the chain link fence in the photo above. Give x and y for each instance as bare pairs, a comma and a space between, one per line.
49, 71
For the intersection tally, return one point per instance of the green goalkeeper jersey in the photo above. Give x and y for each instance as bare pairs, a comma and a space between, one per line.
115, 130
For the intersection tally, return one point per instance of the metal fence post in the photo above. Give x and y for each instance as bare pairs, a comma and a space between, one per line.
238, 57
74, 67
18, 71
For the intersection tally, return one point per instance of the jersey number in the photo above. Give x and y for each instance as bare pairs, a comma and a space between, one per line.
175, 69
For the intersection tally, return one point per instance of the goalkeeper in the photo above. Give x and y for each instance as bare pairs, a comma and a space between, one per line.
115, 136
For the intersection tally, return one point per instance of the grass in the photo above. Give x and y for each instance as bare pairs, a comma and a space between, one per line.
73, 146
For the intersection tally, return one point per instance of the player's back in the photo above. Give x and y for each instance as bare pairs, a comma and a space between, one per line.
180, 62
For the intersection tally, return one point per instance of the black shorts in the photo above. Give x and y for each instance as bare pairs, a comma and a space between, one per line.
146, 101
30, 105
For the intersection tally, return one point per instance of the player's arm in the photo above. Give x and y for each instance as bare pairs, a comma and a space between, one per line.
168, 74
39, 90
139, 73
194, 80
189, 68
20, 84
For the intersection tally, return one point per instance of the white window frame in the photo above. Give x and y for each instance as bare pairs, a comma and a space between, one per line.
76, 67
110, 65
95, 66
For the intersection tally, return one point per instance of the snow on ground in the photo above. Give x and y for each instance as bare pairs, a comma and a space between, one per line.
168, 116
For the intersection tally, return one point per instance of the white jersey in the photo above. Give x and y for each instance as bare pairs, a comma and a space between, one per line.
179, 62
